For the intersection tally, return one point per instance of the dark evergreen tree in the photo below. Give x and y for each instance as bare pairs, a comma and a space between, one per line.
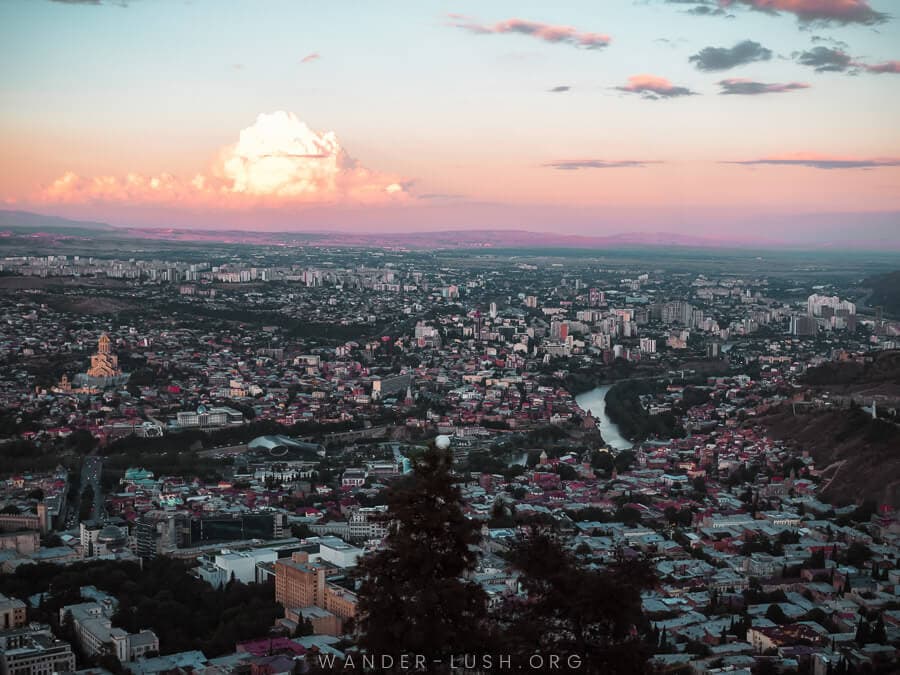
572, 609
775, 614
863, 635
413, 598
878, 633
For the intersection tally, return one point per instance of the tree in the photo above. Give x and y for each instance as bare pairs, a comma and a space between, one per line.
301, 531
566, 472
574, 609
775, 614
858, 554
412, 597
628, 515
81, 441
501, 515
863, 633
106, 658
304, 628
879, 634
699, 485
816, 561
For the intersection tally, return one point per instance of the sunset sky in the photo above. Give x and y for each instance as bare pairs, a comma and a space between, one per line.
733, 119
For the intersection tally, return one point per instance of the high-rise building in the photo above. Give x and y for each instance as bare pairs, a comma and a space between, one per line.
816, 303
803, 325
648, 345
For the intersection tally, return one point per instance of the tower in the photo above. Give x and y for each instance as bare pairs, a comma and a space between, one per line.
104, 363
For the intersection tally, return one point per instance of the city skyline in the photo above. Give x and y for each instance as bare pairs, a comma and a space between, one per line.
734, 120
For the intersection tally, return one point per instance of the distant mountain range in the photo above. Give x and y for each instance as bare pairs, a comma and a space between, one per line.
24, 222
33, 221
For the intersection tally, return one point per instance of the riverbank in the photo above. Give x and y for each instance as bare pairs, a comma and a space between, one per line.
593, 401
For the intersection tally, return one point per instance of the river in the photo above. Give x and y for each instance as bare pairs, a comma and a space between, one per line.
594, 402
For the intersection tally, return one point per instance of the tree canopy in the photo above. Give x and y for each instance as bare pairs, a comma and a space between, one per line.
413, 597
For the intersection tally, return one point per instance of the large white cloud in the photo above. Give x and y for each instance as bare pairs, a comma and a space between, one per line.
277, 160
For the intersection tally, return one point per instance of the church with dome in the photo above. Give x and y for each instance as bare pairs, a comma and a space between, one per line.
104, 371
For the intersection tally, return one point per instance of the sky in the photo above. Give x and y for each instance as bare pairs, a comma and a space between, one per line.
729, 119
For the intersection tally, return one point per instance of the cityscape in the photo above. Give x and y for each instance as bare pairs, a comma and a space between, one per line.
578, 369
248, 419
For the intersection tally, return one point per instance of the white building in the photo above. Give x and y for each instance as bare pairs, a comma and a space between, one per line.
368, 523
353, 478
816, 302
94, 632
240, 565
337, 552
209, 417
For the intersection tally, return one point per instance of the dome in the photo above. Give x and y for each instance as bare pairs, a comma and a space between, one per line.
111, 535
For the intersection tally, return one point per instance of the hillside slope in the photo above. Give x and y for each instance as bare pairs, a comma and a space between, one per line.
860, 457
885, 292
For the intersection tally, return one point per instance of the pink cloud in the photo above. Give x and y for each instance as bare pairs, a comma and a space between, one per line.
653, 86
542, 31
278, 160
824, 11
311, 57
886, 67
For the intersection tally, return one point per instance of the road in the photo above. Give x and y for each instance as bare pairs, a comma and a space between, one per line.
91, 468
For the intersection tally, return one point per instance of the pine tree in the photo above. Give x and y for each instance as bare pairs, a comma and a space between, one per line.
412, 597
573, 609
862, 636
879, 634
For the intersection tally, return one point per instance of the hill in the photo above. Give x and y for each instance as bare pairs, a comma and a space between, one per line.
878, 378
885, 292
858, 455
25, 220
